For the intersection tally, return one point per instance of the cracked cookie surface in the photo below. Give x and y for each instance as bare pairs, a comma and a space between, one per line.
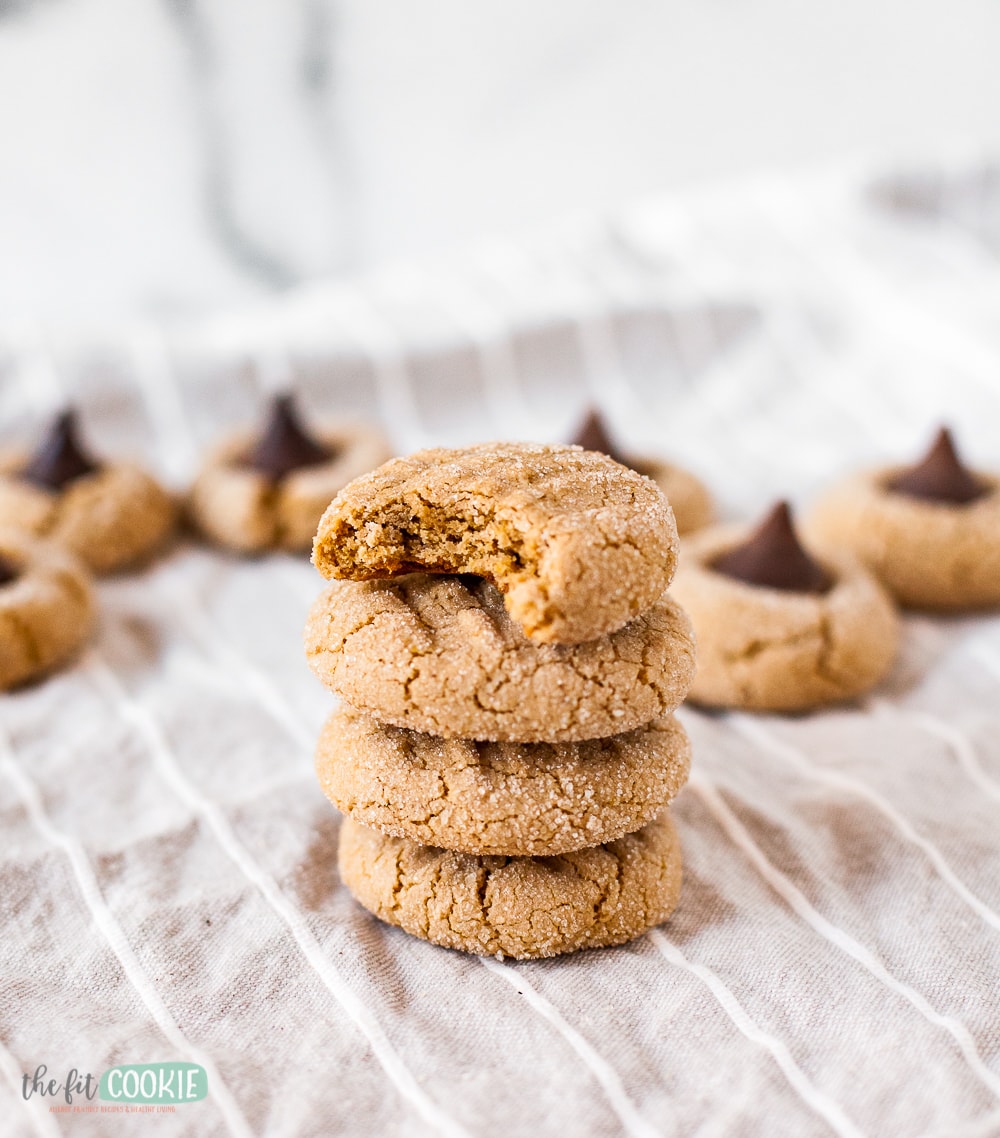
932, 555
114, 518
242, 509
578, 544
46, 608
769, 649
440, 654
524, 907
509, 799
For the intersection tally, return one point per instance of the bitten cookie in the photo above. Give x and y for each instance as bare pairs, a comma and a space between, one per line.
578, 545
776, 629
442, 655
508, 799
522, 907
46, 607
111, 515
688, 496
930, 533
269, 490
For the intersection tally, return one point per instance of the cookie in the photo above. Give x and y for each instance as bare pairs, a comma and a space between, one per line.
260, 491
506, 799
822, 632
112, 515
578, 545
930, 533
688, 496
46, 607
440, 654
524, 907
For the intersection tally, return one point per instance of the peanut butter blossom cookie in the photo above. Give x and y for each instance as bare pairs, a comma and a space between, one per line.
688, 497
500, 798
46, 607
930, 532
523, 907
780, 627
112, 515
577, 544
440, 654
266, 490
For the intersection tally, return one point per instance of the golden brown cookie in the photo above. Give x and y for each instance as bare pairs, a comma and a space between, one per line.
578, 545
688, 496
111, 515
930, 533
46, 607
440, 654
508, 799
268, 491
778, 648
523, 907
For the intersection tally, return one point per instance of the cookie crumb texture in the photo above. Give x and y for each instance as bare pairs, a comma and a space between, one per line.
116, 518
930, 555
244, 510
509, 799
441, 655
46, 611
771, 650
521, 907
578, 544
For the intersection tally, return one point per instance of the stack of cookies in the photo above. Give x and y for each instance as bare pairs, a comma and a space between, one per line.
498, 630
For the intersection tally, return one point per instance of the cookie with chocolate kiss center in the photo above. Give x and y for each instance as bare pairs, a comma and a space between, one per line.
285, 445
593, 435
60, 459
940, 476
773, 557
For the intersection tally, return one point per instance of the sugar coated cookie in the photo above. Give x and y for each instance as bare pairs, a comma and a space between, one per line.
268, 490
578, 545
440, 654
111, 515
46, 607
522, 906
930, 533
778, 628
688, 496
508, 799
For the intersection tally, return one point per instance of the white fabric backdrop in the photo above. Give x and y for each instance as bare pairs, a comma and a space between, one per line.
167, 864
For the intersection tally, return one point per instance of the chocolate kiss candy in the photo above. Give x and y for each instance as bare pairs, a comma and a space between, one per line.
593, 436
940, 476
8, 572
60, 459
284, 446
773, 557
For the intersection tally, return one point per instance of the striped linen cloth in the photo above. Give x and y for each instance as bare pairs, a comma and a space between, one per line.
168, 884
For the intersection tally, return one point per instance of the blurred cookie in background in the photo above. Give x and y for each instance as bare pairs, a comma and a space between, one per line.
267, 489
46, 607
689, 498
780, 627
930, 532
112, 515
